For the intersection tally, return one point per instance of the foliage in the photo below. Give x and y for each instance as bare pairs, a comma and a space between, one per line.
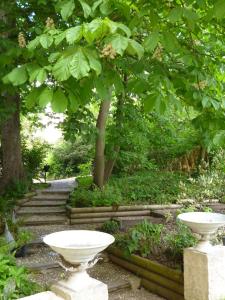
149, 187
172, 54
14, 280
170, 136
66, 158
143, 239
133, 144
209, 184
178, 240
112, 226
33, 157
108, 196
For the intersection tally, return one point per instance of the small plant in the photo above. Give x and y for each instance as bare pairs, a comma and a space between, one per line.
14, 282
176, 241
143, 239
112, 226
109, 196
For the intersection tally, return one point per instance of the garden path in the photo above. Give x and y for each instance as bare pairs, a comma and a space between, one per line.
49, 205
122, 284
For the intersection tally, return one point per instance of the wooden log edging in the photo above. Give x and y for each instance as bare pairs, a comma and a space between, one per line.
85, 215
159, 279
122, 208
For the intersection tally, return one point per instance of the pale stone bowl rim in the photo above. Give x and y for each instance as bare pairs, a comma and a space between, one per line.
192, 217
106, 241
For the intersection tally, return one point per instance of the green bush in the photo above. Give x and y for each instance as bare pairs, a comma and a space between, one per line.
112, 226
14, 280
178, 240
149, 187
143, 239
209, 184
109, 196
143, 187
66, 158
33, 157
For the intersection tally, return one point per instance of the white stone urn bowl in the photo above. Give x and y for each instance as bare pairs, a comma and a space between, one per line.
78, 246
203, 223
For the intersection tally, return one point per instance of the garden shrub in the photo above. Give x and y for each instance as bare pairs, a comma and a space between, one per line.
33, 157
142, 239
143, 187
112, 226
209, 183
66, 158
149, 187
178, 240
14, 280
109, 196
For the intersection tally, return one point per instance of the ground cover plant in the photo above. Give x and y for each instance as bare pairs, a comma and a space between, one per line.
14, 280
160, 242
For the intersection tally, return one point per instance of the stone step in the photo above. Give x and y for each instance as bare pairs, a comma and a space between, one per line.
50, 197
44, 220
119, 286
35, 203
47, 210
54, 191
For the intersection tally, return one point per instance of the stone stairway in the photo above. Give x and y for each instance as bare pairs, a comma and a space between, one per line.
47, 207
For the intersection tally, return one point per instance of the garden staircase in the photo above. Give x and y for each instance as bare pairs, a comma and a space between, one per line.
48, 207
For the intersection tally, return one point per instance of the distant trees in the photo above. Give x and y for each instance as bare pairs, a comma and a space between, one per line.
156, 54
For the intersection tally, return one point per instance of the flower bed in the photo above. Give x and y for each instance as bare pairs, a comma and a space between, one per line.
155, 277
84, 215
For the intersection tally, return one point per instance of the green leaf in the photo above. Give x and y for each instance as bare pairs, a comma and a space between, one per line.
119, 43
219, 9
17, 76
61, 70
36, 73
59, 38
74, 34
67, 9
175, 14
134, 48
190, 14
219, 139
95, 30
32, 97
124, 28
170, 42
34, 43
118, 83
86, 8
106, 7
59, 102
46, 40
93, 61
54, 56
74, 102
79, 66
102, 88
45, 97
150, 102
151, 41
96, 5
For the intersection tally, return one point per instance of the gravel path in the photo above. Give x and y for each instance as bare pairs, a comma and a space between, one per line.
103, 270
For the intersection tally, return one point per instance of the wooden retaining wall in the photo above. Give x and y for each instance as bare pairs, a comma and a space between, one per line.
101, 214
156, 278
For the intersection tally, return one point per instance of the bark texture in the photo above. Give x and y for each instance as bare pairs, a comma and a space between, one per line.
12, 166
99, 163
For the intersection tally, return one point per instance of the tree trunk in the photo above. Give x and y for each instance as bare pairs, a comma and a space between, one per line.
111, 162
12, 166
99, 164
